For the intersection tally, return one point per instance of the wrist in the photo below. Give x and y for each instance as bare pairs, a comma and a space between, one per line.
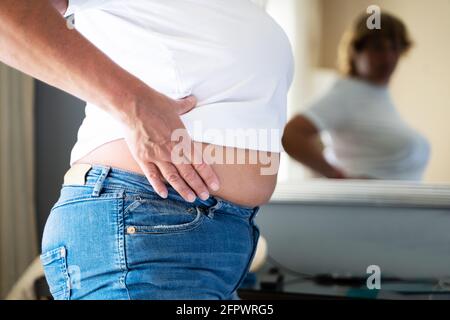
127, 103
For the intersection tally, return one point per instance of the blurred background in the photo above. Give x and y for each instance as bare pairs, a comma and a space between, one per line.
419, 86
38, 126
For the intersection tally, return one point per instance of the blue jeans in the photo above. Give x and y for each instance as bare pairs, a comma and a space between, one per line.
115, 238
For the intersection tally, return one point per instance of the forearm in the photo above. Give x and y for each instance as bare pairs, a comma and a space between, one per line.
35, 39
308, 152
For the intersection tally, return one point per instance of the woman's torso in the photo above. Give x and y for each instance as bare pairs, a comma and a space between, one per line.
228, 53
243, 184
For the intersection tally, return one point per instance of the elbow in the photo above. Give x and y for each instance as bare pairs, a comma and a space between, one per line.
298, 132
286, 139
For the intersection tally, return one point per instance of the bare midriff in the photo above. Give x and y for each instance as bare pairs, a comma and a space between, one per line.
247, 183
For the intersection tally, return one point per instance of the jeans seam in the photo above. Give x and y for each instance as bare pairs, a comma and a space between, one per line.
254, 235
65, 290
121, 244
112, 187
116, 186
105, 197
187, 227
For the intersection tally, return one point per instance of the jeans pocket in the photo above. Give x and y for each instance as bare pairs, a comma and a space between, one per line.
145, 216
55, 268
255, 237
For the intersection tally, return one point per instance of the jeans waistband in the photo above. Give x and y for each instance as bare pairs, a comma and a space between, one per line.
101, 177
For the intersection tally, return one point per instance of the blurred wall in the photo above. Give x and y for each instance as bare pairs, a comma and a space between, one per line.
58, 116
301, 20
421, 85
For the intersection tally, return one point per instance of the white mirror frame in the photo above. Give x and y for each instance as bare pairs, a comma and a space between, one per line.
363, 192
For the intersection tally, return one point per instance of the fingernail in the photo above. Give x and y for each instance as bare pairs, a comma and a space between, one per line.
214, 186
204, 195
163, 194
191, 197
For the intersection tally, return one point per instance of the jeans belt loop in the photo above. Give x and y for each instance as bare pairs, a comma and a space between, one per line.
100, 181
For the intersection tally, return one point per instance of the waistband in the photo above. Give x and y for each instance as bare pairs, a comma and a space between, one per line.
102, 176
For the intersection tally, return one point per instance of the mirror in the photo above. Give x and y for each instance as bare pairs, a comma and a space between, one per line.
367, 128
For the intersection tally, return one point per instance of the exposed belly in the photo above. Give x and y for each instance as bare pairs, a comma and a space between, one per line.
248, 184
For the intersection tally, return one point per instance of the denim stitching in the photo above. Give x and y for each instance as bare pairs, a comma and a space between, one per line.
100, 181
120, 235
254, 242
164, 229
103, 197
62, 263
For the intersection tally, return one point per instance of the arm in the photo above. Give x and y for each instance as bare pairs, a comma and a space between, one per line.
300, 142
35, 40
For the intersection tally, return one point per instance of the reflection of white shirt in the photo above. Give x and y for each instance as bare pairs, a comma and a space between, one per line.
230, 54
366, 134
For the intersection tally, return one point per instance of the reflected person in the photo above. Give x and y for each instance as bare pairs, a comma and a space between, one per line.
368, 139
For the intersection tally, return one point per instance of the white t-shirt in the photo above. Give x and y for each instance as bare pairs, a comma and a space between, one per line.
230, 54
367, 136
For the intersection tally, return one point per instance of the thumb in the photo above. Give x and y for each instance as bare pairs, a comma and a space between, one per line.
186, 104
